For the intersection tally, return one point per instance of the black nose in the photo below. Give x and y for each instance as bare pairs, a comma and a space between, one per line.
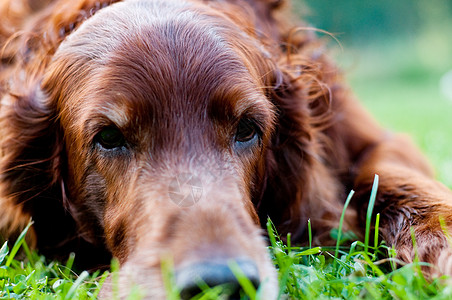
192, 278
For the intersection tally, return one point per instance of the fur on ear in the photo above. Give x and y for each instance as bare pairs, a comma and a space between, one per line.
301, 182
30, 165
31, 180
32, 147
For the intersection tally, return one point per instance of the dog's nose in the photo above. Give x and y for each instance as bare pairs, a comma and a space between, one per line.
191, 279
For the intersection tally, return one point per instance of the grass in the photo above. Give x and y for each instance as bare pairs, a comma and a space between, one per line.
403, 94
33, 277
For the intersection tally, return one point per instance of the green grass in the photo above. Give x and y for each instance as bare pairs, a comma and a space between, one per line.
33, 277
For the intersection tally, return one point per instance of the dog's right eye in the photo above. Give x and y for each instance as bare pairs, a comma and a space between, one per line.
110, 138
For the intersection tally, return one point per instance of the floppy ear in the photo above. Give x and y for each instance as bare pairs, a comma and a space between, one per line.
31, 183
31, 150
300, 185
31, 143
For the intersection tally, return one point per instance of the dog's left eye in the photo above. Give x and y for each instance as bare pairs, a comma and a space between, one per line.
246, 132
110, 138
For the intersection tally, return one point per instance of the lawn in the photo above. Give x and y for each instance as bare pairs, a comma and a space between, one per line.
404, 96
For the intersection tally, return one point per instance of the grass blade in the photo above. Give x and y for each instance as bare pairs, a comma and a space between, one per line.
341, 221
310, 251
377, 226
3, 251
373, 196
77, 283
17, 245
245, 283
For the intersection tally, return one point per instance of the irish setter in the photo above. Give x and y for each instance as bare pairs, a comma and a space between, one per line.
111, 112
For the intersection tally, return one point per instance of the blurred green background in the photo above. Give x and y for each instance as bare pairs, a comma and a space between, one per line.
396, 54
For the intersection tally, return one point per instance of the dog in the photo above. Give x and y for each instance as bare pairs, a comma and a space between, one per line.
154, 129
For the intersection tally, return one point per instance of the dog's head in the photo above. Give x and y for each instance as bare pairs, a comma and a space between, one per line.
170, 129
165, 119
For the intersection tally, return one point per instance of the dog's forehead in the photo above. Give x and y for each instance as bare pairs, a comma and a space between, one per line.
111, 27
107, 27
157, 60
157, 53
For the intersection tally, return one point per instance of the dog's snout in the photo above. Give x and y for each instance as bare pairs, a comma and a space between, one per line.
192, 279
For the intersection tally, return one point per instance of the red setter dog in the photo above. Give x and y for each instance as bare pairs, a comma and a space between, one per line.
108, 110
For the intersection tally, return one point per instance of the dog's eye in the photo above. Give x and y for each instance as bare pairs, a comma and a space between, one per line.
110, 137
246, 132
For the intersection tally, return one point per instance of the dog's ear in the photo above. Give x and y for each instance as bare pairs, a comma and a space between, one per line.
32, 156
30, 167
300, 184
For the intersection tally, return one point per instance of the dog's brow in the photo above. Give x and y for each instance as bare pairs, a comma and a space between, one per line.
115, 112
252, 103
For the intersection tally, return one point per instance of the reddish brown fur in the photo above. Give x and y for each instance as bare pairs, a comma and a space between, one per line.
176, 81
